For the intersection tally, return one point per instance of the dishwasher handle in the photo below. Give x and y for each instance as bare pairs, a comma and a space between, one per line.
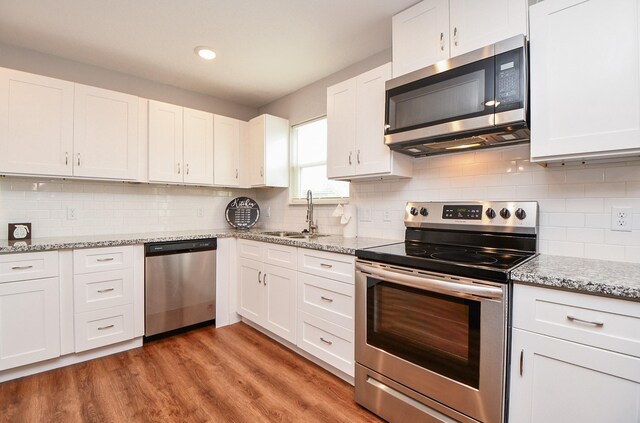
179, 247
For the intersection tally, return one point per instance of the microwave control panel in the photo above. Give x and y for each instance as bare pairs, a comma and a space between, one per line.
509, 78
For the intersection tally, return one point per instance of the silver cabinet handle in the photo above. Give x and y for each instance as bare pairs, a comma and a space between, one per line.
66, 158
78, 159
329, 300
236, 173
358, 156
325, 341
261, 170
186, 168
264, 279
589, 322
102, 260
259, 275
102, 291
178, 168
455, 36
105, 327
349, 157
521, 361
21, 267
442, 41
325, 265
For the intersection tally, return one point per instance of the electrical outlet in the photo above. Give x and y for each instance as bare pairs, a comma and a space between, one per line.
267, 212
621, 219
72, 213
200, 212
366, 215
386, 216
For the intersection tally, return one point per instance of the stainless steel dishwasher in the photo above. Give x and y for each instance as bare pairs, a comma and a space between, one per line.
180, 285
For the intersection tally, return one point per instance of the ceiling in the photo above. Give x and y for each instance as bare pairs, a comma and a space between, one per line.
266, 49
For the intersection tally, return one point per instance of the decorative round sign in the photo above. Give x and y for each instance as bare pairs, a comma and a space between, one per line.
242, 213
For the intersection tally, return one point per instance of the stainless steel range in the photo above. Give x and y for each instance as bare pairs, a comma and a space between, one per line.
432, 313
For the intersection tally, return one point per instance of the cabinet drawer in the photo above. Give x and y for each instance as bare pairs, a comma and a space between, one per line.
280, 255
329, 265
601, 322
103, 327
25, 266
327, 341
326, 298
100, 259
94, 291
250, 249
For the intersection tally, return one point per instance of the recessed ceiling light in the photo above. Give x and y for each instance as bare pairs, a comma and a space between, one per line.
205, 52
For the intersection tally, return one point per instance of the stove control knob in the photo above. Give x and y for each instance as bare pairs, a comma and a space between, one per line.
424, 211
413, 211
505, 213
491, 213
521, 214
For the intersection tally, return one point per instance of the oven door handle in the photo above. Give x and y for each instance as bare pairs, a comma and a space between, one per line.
426, 283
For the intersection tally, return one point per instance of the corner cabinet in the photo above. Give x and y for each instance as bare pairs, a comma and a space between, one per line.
180, 144
586, 83
268, 152
435, 30
355, 130
575, 357
58, 128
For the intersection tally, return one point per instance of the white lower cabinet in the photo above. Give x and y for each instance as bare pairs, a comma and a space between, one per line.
29, 321
268, 292
102, 327
575, 358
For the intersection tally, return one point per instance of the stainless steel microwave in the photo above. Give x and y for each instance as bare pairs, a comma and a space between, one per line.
476, 100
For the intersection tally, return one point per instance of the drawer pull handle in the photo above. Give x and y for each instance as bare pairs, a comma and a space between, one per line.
521, 361
329, 300
102, 291
589, 322
105, 327
101, 260
328, 266
325, 341
21, 267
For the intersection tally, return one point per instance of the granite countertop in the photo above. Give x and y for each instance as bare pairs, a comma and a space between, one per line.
334, 243
600, 277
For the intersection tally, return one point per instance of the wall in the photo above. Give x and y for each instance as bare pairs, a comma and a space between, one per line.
57, 67
109, 207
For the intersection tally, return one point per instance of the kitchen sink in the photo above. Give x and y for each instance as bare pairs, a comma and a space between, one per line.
294, 235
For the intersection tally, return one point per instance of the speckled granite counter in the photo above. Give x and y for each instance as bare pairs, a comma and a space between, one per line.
334, 243
600, 277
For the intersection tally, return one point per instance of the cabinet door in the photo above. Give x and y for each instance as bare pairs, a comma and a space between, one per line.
420, 36
250, 280
276, 151
36, 124
256, 157
29, 322
198, 147
372, 154
475, 24
105, 134
165, 142
341, 129
280, 301
563, 381
586, 82
226, 151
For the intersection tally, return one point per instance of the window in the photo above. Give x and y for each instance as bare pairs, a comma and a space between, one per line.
309, 164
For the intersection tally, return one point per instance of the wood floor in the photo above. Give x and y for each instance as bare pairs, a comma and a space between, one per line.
232, 374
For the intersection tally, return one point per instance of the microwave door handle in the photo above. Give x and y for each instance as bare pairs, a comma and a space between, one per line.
429, 284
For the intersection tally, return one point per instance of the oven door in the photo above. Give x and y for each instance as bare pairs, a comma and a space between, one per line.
439, 336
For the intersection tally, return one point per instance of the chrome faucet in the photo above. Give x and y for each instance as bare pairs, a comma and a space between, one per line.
313, 227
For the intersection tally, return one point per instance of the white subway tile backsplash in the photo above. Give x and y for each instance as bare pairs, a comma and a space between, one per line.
609, 189
585, 205
623, 173
563, 248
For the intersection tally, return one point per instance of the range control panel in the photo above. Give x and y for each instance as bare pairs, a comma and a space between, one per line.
477, 215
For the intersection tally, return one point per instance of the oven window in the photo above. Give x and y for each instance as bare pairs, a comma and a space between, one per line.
438, 332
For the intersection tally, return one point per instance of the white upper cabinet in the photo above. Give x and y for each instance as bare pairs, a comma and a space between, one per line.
355, 129
165, 142
474, 24
585, 79
180, 144
434, 30
226, 151
198, 147
420, 36
268, 152
36, 124
105, 134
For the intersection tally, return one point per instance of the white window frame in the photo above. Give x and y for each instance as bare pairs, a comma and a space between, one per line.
294, 171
